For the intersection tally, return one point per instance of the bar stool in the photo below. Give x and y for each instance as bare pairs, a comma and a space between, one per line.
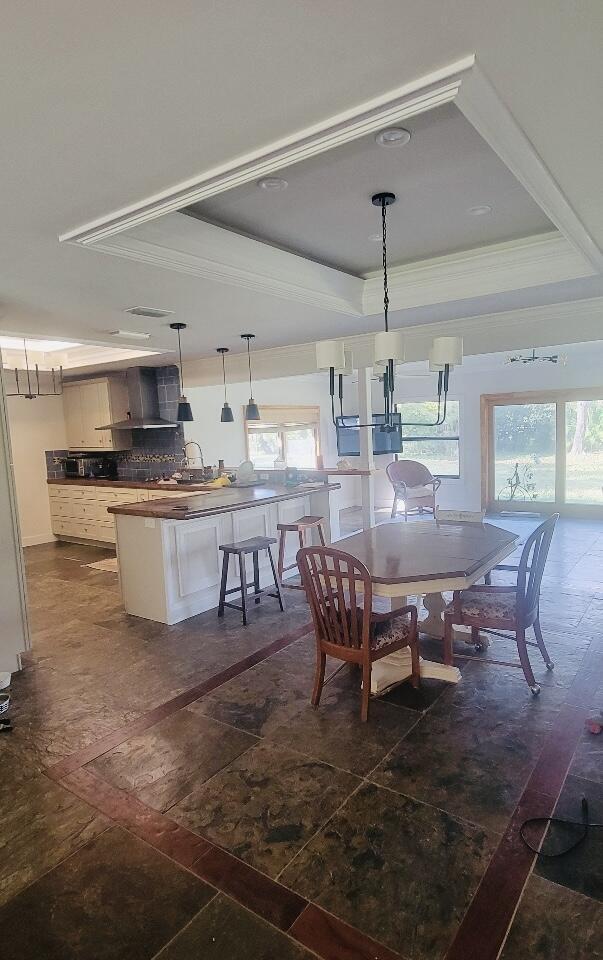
240, 550
297, 526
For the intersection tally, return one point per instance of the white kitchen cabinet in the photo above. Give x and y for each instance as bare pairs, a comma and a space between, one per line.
80, 511
89, 404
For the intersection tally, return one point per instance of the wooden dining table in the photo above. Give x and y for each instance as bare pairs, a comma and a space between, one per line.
424, 559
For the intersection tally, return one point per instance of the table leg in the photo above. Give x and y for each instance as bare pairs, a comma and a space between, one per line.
433, 623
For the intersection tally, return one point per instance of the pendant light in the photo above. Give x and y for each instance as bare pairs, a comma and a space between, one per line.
226, 416
445, 354
184, 414
251, 410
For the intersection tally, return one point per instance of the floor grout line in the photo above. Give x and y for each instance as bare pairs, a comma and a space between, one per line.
459, 949
160, 712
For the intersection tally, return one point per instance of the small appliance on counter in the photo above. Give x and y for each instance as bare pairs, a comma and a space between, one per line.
90, 465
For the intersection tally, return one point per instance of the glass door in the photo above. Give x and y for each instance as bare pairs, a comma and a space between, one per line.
544, 452
584, 451
524, 442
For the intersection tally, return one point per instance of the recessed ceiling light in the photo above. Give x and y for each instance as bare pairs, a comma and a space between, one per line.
392, 137
480, 210
272, 183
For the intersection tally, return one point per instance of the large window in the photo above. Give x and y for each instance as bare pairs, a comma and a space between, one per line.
543, 450
289, 433
436, 447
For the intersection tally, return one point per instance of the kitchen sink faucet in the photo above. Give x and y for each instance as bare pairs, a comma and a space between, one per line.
195, 444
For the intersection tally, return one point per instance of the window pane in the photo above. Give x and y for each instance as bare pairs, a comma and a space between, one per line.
426, 412
524, 452
300, 447
441, 457
584, 456
264, 448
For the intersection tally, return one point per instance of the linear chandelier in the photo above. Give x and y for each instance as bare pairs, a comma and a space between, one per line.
445, 353
30, 393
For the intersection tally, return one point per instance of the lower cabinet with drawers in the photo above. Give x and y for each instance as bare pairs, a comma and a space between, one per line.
79, 512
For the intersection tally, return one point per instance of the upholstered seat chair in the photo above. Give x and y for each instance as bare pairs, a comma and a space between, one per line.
513, 607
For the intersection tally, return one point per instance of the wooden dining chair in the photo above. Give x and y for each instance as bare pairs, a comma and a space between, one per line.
340, 593
512, 608
413, 484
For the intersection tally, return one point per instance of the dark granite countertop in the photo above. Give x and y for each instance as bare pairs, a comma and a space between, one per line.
211, 502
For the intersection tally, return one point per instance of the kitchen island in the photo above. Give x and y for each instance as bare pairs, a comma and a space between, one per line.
168, 549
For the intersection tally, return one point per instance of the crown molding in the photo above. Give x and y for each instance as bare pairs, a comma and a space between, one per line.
424, 93
480, 104
200, 249
577, 321
152, 232
516, 264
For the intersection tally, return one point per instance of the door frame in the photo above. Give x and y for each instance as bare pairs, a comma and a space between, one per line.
488, 402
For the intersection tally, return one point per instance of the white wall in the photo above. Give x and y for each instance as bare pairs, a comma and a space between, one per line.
226, 441
35, 426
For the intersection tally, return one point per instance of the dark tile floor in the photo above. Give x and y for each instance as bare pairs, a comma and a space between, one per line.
387, 826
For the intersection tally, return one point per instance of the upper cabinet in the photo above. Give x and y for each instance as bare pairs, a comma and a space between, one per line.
89, 404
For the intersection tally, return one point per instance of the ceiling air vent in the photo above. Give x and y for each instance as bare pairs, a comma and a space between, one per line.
149, 312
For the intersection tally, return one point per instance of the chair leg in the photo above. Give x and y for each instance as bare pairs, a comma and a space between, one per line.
225, 559
366, 691
394, 508
415, 677
540, 641
243, 576
448, 641
256, 576
488, 579
319, 678
520, 637
281, 554
405, 512
277, 582
321, 535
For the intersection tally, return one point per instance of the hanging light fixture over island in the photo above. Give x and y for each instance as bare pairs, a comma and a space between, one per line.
226, 416
185, 414
251, 410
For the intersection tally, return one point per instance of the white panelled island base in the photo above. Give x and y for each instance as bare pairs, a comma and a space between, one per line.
168, 551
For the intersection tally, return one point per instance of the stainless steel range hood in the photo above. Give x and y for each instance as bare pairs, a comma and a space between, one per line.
143, 398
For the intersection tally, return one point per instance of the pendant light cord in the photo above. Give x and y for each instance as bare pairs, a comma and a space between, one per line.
384, 249
224, 376
249, 365
180, 355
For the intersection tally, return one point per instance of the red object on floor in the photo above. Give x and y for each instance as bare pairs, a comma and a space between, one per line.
594, 726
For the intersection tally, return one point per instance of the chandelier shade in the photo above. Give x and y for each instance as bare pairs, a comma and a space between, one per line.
447, 351
388, 345
331, 354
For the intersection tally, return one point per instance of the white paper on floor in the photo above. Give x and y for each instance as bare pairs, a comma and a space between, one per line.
394, 669
109, 566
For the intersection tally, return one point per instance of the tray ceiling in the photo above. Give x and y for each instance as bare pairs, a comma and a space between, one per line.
325, 214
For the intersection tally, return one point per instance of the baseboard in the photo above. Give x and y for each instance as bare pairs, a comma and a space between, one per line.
40, 538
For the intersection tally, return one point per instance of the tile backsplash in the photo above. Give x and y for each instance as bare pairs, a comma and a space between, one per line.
154, 452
